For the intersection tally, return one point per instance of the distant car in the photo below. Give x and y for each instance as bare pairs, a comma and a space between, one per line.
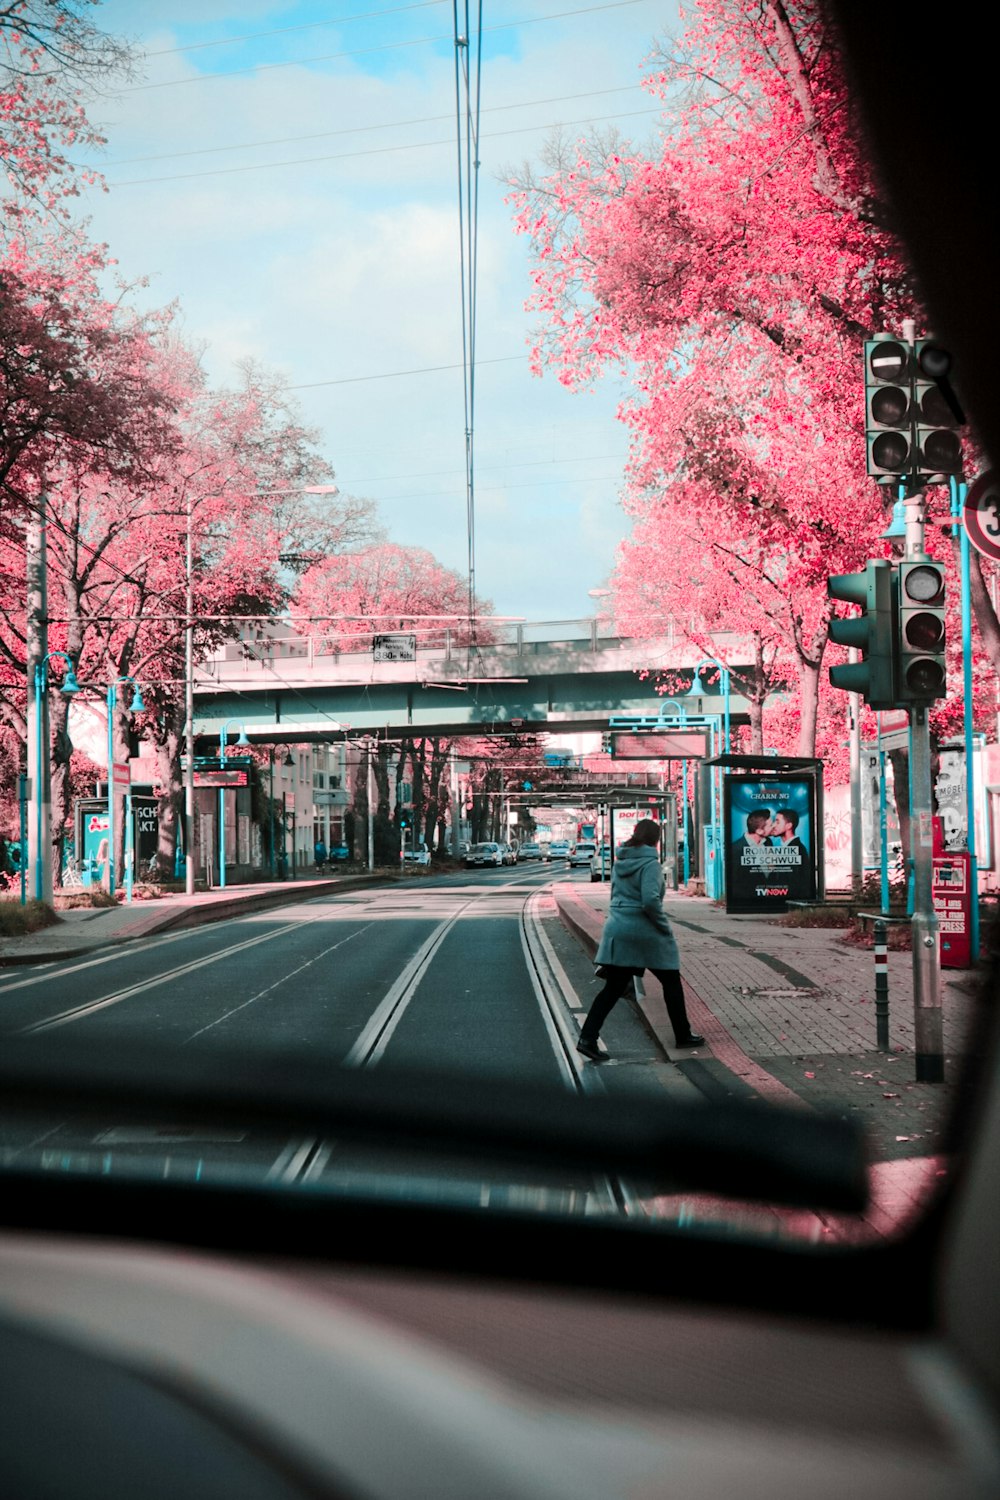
582, 852
558, 850
338, 852
509, 852
419, 856
484, 854
530, 851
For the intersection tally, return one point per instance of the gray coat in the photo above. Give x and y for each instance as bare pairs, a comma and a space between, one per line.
637, 934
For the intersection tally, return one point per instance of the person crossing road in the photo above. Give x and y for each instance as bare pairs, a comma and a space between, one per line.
637, 936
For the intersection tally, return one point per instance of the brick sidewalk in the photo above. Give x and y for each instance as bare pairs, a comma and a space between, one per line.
789, 1015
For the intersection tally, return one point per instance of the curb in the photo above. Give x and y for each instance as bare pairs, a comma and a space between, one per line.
197, 916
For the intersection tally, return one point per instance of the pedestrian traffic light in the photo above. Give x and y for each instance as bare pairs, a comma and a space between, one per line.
936, 413
526, 785
888, 407
872, 633
404, 820
922, 674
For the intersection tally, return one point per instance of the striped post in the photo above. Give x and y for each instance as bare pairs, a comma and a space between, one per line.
881, 987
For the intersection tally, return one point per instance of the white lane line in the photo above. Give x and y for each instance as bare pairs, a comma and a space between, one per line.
78, 1012
372, 1041
277, 983
115, 951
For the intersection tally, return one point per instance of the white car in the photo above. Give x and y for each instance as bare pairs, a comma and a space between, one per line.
418, 856
558, 850
582, 852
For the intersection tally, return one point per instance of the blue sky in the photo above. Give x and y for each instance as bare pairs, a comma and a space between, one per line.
287, 174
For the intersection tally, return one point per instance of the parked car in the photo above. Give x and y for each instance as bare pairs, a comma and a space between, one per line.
530, 851
338, 853
559, 849
484, 854
418, 856
582, 852
509, 853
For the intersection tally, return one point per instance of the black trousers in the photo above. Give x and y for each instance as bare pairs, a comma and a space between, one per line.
617, 983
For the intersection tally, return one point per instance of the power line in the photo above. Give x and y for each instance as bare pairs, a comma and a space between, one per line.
396, 374
323, 135
306, 161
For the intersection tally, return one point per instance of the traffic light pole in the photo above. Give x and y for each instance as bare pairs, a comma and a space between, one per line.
924, 926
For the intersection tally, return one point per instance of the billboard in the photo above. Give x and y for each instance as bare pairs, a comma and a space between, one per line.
770, 842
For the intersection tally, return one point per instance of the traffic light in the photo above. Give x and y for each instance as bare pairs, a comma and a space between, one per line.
404, 820
936, 412
922, 674
872, 633
888, 407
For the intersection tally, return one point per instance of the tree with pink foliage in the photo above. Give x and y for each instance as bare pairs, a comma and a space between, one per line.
735, 274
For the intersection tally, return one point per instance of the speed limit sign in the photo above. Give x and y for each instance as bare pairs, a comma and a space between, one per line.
981, 514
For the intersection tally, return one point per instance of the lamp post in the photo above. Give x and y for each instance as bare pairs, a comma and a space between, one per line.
713, 860
242, 741
43, 869
135, 707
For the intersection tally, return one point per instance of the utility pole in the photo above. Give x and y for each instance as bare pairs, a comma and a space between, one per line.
189, 715
37, 715
924, 924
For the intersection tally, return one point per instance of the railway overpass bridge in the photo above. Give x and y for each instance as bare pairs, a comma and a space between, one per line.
561, 676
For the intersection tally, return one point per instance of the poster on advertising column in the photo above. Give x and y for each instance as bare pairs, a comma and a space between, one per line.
770, 842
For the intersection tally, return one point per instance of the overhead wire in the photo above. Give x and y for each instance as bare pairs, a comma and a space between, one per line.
467, 106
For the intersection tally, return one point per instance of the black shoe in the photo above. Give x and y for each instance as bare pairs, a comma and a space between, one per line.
589, 1049
691, 1040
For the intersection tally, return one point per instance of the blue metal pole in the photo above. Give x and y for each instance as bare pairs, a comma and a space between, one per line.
687, 826
112, 699
883, 830
958, 497
39, 682
22, 797
129, 848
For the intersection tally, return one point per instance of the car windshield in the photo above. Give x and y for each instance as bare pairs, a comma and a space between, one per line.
372, 500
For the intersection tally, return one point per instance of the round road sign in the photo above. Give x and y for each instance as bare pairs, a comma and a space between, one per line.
981, 514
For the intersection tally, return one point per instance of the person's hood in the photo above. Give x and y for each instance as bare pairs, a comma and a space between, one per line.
632, 860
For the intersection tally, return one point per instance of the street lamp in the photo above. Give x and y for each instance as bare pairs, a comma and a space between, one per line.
713, 835
69, 686
241, 742
135, 707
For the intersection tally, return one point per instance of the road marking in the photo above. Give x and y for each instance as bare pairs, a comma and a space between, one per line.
277, 983
387, 1015
79, 1012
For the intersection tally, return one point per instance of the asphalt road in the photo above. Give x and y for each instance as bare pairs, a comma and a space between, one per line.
471, 975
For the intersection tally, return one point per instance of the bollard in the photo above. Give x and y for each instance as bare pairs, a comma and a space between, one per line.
881, 988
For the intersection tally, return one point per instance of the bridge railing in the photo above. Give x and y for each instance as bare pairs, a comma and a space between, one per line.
500, 641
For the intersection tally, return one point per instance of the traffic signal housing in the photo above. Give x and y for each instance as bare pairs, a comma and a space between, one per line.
922, 674
873, 633
889, 367
937, 447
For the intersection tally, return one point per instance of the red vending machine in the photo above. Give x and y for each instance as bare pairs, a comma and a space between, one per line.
953, 904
